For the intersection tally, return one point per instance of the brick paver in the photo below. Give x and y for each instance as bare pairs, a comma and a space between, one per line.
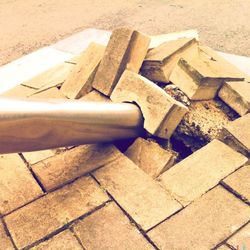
142, 197
62, 168
241, 239
64, 240
51, 212
109, 228
5, 242
201, 171
204, 223
17, 185
239, 181
36, 156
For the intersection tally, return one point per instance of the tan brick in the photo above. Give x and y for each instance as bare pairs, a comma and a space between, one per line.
79, 81
237, 96
237, 135
62, 168
64, 240
17, 185
50, 78
150, 157
52, 93
126, 50
19, 92
5, 242
201, 171
204, 224
109, 228
36, 156
161, 112
160, 61
95, 96
201, 77
241, 239
137, 193
239, 182
223, 247
51, 212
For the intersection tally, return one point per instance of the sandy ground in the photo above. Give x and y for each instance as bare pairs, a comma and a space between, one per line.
26, 25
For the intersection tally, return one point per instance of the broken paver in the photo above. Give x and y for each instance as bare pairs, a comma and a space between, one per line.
50, 78
203, 224
237, 96
109, 228
17, 185
160, 61
201, 77
237, 134
44, 216
5, 242
136, 192
161, 112
79, 81
239, 182
19, 92
64, 240
150, 157
95, 96
201, 171
241, 240
51, 93
63, 168
126, 50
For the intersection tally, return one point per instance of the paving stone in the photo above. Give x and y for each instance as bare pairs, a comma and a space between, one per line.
239, 182
137, 193
201, 171
160, 61
204, 224
63, 168
36, 156
51, 212
201, 77
19, 92
161, 112
237, 134
150, 157
79, 81
95, 96
241, 240
64, 240
126, 50
5, 242
51, 93
237, 96
17, 185
223, 247
52, 77
109, 228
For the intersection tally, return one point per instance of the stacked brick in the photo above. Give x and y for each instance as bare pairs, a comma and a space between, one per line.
147, 197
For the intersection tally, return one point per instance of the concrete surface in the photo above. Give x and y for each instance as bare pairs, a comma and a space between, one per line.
28, 25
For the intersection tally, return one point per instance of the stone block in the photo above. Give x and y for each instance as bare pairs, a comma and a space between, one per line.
5, 242
17, 184
95, 96
19, 92
79, 81
126, 50
36, 156
150, 157
161, 112
109, 228
136, 192
63, 168
160, 61
201, 171
51, 212
237, 96
51, 93
203, 224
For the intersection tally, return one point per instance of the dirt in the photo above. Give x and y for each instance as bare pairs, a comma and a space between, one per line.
28, 25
